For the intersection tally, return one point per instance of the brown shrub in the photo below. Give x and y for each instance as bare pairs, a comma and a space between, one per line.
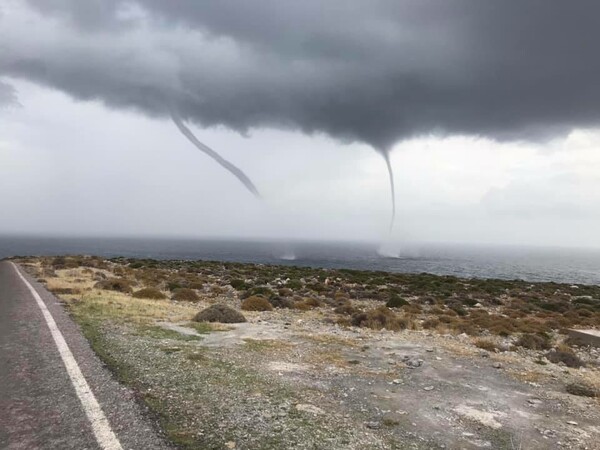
430, 324
185, 295
151, 293
313, 302
487, 344
256, 303
583, 390
533, 342
346, 309
569, 359
115, 284
280, 302
219, 313
379, 318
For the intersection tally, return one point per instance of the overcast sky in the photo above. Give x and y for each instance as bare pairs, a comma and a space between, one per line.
490, 112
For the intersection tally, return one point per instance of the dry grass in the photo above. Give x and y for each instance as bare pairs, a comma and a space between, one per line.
122, 307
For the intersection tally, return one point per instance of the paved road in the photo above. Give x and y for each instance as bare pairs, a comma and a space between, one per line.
43, 402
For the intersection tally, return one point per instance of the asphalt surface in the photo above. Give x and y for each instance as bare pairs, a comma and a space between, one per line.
39, 407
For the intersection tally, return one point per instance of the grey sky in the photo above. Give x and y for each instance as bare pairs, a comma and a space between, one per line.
481, 100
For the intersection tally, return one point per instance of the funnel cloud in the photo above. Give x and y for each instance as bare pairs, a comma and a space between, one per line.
375, 72
235, 171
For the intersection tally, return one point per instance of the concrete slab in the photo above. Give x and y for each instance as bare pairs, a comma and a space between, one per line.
585, 337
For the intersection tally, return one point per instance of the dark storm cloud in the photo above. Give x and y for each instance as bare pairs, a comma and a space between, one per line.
375, 72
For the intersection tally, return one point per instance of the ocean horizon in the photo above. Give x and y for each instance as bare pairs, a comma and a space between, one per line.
561, 265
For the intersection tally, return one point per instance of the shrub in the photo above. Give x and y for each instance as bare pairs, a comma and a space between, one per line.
430, 323
262, 291
256, 303
115, 284
533, 341
583, 390
379, 318
569, 359
280, 302
238, 285
185, 294
312, 302
487, 344
151, 293
173, 285
219, 313
345, 309
395, 301
294, 285
286, 292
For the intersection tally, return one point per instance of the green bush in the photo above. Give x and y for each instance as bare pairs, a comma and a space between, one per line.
395, 301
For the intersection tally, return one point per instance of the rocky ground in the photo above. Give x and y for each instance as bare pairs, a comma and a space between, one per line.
306, 377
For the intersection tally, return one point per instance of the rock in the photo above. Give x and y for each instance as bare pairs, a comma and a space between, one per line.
414, 363
373, 425
230, 444
570, 422
397, 381
497, 365
430, 350
312, 409
428, 388
484, 354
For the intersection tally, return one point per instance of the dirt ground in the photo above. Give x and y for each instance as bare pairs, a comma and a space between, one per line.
292, 378
411, 389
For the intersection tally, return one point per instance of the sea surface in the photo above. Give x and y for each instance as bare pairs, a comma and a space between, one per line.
531, 264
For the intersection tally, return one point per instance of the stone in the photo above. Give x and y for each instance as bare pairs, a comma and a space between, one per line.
585, 337
428, 388
230, 444
497, 365
373, 425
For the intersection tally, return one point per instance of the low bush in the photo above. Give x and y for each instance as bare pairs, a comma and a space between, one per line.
151, 293
256, 303
219, 313
487, 344
345, 309
533, 341
280, 302
239, 285
185, 295
379, 318
583, 390
263, 291
569, 359
430, 324
115, 284
395, 301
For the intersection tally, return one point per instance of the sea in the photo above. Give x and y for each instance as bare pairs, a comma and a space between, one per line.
563, 265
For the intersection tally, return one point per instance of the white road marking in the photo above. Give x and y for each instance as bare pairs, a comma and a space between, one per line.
104, 434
